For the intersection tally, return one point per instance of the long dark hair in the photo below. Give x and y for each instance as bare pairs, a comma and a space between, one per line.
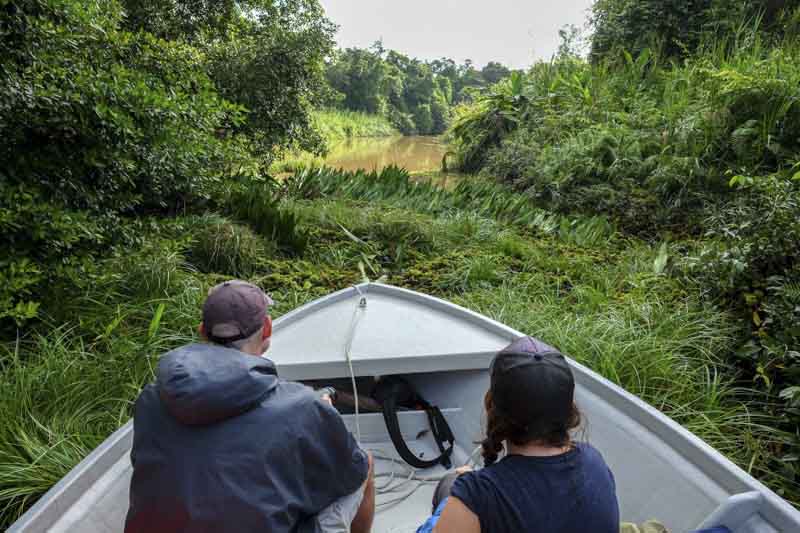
500, 427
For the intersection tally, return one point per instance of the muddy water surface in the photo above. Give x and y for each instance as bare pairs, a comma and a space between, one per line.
415, 154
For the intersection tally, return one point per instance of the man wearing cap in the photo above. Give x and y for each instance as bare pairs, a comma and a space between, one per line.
221, 444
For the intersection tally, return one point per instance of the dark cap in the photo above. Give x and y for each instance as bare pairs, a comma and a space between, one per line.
531, 381
234, 310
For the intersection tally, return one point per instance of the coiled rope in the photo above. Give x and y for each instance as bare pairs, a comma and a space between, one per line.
409, 476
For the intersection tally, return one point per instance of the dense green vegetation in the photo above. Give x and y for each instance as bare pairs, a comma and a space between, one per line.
103, 121
597, 295
695, 141
336, 125
416, 96
677, 28
644, 201
338, 129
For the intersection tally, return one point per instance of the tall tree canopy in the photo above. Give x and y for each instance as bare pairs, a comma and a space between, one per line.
416, 95
676, 27
111, 109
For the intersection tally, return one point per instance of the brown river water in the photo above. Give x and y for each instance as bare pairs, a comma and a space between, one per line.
415, 154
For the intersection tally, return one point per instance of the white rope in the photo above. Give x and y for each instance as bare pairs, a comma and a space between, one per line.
358, 312
410, 476
406, 482
472, 460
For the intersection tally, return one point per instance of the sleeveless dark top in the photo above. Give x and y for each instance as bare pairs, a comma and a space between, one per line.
569, 493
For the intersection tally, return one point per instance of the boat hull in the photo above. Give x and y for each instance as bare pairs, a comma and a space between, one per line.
662, 471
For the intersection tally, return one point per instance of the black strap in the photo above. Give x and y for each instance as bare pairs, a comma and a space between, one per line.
397, 389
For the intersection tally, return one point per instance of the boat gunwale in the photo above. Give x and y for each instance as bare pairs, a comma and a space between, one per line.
69, 489
695, 450
705, 458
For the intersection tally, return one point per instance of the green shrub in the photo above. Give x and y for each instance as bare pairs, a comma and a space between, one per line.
679, 27
270, 63
103, 121
107, 120
222, 247
752, 264
651, 144
98, 125
260, 207
480, 126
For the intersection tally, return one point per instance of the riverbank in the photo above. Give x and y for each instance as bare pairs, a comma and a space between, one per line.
417, 154
702, 152
339, 128
573, 282
336, 125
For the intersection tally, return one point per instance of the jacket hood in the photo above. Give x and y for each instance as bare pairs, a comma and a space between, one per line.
202, 383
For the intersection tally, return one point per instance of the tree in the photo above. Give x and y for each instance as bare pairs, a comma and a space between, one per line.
186, 19
266, 55
101, 125
676, 27
494, 72
272, 63
363, 78
415, 95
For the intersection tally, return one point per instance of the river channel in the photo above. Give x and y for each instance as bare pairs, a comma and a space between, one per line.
414, 153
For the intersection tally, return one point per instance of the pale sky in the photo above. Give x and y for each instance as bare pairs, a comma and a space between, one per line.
514, 32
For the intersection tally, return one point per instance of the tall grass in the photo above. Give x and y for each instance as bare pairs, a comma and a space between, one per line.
67, 385
66, 389
665, 351
338, 125
478, 196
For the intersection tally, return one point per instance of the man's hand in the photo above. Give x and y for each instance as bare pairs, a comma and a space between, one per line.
327, 394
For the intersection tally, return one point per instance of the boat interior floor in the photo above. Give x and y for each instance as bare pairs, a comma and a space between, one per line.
403, 494
402, 504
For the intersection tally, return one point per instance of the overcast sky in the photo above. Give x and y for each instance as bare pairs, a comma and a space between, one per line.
514, 32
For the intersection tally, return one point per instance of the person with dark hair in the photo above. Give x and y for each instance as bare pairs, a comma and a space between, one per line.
221, 444
546, 482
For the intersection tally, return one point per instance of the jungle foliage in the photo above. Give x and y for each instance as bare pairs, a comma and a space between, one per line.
677, 28
112, 110
647, 204
416, 96
597, 294
695, 140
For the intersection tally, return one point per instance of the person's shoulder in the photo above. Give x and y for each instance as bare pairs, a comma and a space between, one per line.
147, 397
476, 480
590, 453
148, 411
593, 460
477, 490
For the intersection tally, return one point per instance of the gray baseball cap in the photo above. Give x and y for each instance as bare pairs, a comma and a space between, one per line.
531, 380
234, 310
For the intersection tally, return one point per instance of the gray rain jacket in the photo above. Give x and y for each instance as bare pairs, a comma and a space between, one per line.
222, 445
